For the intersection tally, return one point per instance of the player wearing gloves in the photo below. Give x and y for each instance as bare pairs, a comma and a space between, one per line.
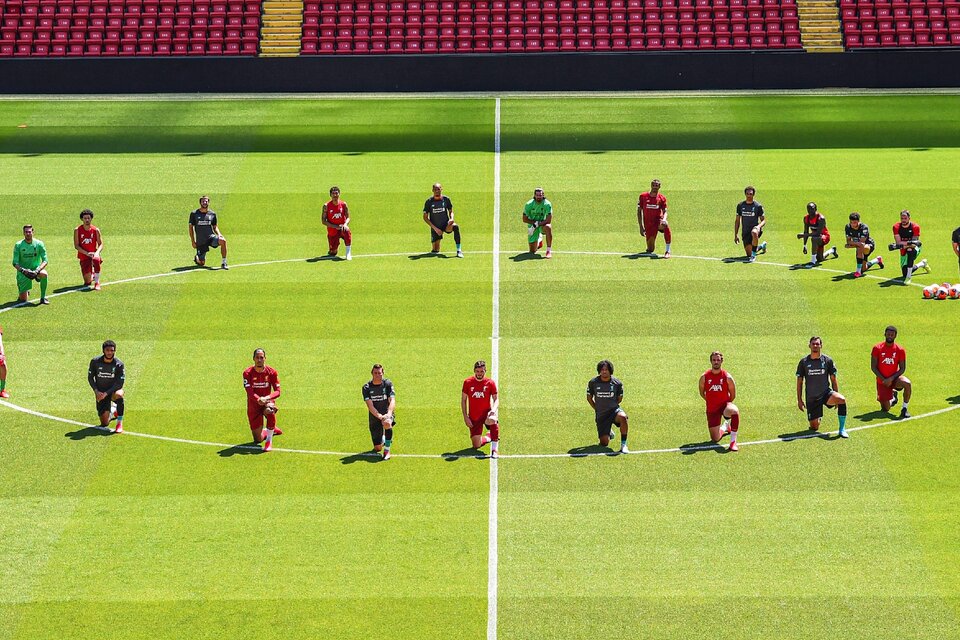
30, 261
538, 216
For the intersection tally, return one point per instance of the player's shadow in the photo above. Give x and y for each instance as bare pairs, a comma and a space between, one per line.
891, 282
526, 255
954, 400
806, 434
734, 260
327, 259
873, 415
88, 432
843, 276
249, 448
76, 287
592, 450
697, 447
189, 267
642, 254
17, 303
429, 254
801, 265
363, 456
469, 452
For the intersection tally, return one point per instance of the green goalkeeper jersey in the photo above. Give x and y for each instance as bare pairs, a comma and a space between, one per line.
538, 210
29, 255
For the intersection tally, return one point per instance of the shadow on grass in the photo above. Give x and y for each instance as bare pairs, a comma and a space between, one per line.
88, 432
892, 282
592, 449
364, 456
243, 449
17, 303
843, 276
526, 255
429, 254
734, 260
469, 452
327, 258
190, 267
76, 287
954, 400
642, 254
874, 415
805, 434
697, 447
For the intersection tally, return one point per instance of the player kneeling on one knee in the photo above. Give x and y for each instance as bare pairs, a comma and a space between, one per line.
888, 361
479, 403
719, 390
381, 400
604, 394
262, 384
820, 373
106, 378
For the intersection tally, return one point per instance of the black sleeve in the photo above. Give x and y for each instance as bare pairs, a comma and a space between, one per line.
388, 388
739, 208
118, 378
193, 218
426, 205
366, 392
91, 374
801, 372
760, 210
831, 368
619, 386
447, 204
214, 222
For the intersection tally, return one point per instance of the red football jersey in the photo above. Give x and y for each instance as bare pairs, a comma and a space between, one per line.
336, 214
717, 389
889, 357
88, 239
653, 206
479, 394
909, 232
260, 383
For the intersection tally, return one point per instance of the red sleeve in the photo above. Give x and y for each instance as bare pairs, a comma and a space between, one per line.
663, 202
493, 387
902, 355
463, 389
275, 381
895, 232
916, 230
247, 386
876, 351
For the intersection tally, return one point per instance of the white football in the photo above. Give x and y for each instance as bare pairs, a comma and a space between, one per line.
943, 291
930, 291
955, 291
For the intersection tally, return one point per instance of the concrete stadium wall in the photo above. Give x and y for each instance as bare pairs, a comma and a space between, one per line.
895, 68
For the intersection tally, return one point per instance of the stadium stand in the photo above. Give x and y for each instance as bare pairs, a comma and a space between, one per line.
913, 23
129, 27
514, 26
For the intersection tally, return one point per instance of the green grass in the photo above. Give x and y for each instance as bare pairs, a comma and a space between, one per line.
119, 537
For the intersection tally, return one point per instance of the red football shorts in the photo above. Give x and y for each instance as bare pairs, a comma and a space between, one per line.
715, 417
884, 393
651, 224
334, 236
256, 414
825, 238
89, 265
477, 426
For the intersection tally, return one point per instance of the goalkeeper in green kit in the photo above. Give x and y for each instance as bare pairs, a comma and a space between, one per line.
30, 261
538, 216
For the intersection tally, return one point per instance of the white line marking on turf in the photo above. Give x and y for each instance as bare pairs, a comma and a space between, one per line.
495, 359
492, 528
518, 456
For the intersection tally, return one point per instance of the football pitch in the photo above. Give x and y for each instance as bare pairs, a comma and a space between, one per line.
181, 528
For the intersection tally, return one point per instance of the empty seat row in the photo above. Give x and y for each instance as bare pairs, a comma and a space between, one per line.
900, 23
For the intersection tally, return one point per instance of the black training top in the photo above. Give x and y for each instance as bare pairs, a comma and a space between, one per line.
438, 210
105, 376
380, 394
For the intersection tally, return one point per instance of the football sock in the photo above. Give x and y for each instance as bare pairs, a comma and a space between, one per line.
668, 247
733, 436
909, 272
735, 423
96, 277
348, 251
667, 236
456, 235
904, 405
3, 385
43, 288
120, 409
623, 440
494, 445
269, 437
495, 432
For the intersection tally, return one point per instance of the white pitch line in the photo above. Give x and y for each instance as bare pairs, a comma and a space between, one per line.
440, 456
492, 523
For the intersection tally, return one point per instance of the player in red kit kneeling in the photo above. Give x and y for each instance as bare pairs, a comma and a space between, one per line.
719, 390
888, 361
89, 243
479, 402
336, 218
263, 387
652, 217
